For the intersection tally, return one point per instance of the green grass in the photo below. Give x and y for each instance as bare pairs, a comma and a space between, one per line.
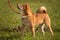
9, 19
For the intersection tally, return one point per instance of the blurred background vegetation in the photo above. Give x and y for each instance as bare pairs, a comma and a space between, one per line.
10, 19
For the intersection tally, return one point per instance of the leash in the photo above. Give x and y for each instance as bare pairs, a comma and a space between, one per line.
9, 3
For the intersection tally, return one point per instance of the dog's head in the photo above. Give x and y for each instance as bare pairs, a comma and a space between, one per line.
42, 9
25, 9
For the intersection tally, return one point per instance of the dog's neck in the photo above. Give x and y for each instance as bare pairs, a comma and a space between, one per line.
27, 14
24, 17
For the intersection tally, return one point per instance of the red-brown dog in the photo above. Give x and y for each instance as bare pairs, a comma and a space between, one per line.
41, 17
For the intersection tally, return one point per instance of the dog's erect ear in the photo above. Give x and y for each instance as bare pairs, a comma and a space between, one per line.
27, 6
28, 9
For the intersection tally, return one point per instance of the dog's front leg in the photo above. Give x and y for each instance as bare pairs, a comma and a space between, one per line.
33, 30
22, 30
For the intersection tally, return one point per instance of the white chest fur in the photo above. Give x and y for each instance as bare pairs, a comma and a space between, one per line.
25, 21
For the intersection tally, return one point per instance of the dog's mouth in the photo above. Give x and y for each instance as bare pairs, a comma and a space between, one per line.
20, 6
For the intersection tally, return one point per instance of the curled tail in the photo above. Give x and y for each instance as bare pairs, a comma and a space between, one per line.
42, 9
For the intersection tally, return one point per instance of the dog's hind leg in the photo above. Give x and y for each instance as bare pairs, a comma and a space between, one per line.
49, 26
42, 28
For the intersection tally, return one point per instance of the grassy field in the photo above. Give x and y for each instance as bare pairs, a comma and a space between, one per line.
10, 20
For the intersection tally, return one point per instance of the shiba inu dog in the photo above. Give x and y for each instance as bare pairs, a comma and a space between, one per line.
41, 17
